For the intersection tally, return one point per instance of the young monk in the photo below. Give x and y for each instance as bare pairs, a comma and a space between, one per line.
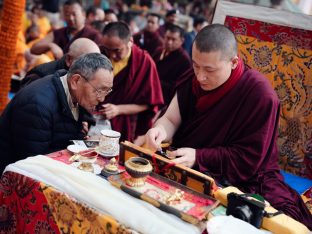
224, 121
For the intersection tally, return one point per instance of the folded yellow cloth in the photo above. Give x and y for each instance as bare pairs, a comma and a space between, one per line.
278, 224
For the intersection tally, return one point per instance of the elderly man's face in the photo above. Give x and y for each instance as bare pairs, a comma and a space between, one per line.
74, 16
173, 41
211, 69
90, 93
115, 48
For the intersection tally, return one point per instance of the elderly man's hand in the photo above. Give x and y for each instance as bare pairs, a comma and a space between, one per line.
187, 156
110, 110
85, 127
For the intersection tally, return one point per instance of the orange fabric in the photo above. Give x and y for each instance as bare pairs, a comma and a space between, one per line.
21, 47
44, 25
40, 59
72, 216
283, 55
30, 206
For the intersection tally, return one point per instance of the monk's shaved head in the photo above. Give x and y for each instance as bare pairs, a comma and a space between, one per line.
79, 47
117, 29
216, 37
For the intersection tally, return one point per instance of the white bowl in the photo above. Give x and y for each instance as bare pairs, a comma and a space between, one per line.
76, 148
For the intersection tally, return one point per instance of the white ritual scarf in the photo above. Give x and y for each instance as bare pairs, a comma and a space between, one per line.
102, 196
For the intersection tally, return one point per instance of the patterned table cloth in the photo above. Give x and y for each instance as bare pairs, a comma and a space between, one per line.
46, 195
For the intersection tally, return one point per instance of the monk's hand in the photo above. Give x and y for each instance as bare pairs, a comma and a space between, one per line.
154, 137
140, 140
56, 51
187, 156
110, 110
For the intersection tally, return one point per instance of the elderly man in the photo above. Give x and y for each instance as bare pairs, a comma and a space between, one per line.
224, 121
171, 61
149, 38
78, 47
137, 92
45, 115
58, 41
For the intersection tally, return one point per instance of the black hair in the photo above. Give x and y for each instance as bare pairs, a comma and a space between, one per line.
198, 20
154, 15
98, 25
92, 10
216, 37
109, 11
72, 2
176, 29
172, 12
119, 29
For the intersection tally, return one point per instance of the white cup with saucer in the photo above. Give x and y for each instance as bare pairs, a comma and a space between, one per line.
109, 143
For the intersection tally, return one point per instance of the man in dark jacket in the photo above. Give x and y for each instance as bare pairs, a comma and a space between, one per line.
44, 116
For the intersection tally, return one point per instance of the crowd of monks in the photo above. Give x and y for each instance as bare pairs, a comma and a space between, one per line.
157, 71
167, 58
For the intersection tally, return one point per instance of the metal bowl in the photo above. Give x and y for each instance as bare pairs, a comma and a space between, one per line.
138, 168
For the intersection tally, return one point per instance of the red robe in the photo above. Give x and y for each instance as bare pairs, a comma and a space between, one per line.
170, 69
61, 37
138, 83
148, 41
235, 140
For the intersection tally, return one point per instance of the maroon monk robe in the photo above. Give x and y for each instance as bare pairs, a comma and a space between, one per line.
170, 68
138, 83
62, 36
235, 140
148, 41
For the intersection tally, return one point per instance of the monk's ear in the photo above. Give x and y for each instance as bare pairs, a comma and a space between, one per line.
130, 42
234, 62
68, 59
73, 81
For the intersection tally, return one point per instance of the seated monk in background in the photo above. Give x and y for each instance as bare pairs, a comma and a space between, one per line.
137, 92
149, 38
224, 120
58, 41
171, 61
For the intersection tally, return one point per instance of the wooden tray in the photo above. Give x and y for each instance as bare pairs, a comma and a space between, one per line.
190, 178
193, 207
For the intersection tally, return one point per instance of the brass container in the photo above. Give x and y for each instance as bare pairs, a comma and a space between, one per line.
138, 168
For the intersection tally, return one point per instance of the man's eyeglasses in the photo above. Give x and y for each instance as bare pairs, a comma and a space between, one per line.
99, 92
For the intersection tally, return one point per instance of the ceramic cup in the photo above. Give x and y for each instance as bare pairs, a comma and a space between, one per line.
109, 143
